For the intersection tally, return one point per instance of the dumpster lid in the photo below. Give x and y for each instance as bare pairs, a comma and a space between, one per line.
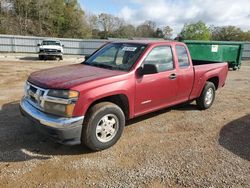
213, 42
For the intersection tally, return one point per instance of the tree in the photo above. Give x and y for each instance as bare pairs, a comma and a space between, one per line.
245, 36
74, 21
196, 31
227, 33
159, 33
92, 21
146, 29
2, 30
56, 18
125, 31
167, 32
108, 24
65, 18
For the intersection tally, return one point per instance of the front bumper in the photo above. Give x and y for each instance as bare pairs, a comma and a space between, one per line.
63, 130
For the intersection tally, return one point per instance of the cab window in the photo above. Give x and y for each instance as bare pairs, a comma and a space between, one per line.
162, 56
182, 54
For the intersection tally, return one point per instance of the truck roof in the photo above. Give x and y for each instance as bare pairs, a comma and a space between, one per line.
51, 40
149, 42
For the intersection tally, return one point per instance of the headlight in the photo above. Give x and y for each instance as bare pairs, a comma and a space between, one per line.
65, 94
61, 102
26, 87
65, 110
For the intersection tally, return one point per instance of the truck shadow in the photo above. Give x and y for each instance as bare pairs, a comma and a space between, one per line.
235, 137
29, 58
33, 58
180, 107
20, 141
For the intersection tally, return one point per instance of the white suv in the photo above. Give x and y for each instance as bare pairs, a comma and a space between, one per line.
50, 48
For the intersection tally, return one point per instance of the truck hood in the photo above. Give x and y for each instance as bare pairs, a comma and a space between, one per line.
66, 77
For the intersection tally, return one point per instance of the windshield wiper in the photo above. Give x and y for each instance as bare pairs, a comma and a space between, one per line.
102, 65
86, 63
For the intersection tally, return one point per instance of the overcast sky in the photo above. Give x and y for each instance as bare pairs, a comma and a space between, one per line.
175, 13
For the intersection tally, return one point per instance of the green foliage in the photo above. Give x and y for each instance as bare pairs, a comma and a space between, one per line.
147, 29
111, 26
56, 18
245, 36
108, 24
195, 31
65, 18
125, 31
227, 33
159, 33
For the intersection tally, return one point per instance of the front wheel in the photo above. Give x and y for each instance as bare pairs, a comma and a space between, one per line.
207, 96
103, 126
41, 57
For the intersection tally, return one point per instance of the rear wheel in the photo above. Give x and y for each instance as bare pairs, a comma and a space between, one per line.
207, 96
103, 126
235, 68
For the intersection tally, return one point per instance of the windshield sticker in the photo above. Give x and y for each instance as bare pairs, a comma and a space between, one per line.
128, 48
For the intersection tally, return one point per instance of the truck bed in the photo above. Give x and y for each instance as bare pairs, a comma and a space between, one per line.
200, 62
205, 70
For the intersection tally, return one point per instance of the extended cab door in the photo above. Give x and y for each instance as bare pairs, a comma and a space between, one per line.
185, 73
154, 91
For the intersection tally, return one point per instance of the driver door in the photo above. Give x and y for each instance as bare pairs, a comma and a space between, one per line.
155, 91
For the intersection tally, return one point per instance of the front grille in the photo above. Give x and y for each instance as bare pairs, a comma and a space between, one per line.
50, 50
33, 89
35, 95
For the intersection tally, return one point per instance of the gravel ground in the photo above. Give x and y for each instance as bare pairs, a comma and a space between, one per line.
176, 147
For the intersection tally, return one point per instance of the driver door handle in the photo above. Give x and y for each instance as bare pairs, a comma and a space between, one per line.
172, 76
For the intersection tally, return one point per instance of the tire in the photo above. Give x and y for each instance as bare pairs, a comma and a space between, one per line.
98, 135
41, 57
207, 96
60, 57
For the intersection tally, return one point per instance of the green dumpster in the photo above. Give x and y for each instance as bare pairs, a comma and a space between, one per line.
216, 51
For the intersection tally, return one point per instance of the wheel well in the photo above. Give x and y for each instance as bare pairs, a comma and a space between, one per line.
120, 100
215, 81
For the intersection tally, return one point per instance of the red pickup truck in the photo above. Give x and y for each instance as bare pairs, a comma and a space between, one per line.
90, 102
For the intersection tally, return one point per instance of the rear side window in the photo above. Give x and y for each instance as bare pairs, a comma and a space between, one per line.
162, 56
182, 54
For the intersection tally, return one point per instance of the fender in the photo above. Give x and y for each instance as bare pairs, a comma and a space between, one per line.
116, 88
202, 77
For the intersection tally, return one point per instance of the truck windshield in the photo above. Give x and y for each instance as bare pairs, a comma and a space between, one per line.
56, 43
116, 56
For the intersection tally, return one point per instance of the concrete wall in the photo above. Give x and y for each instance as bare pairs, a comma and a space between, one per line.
28, 44
246, 52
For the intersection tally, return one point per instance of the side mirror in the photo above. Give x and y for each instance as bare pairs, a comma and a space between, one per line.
38, 44
148, 69
63, 45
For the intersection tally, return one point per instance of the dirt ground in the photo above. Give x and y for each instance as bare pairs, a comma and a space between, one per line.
179, 147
